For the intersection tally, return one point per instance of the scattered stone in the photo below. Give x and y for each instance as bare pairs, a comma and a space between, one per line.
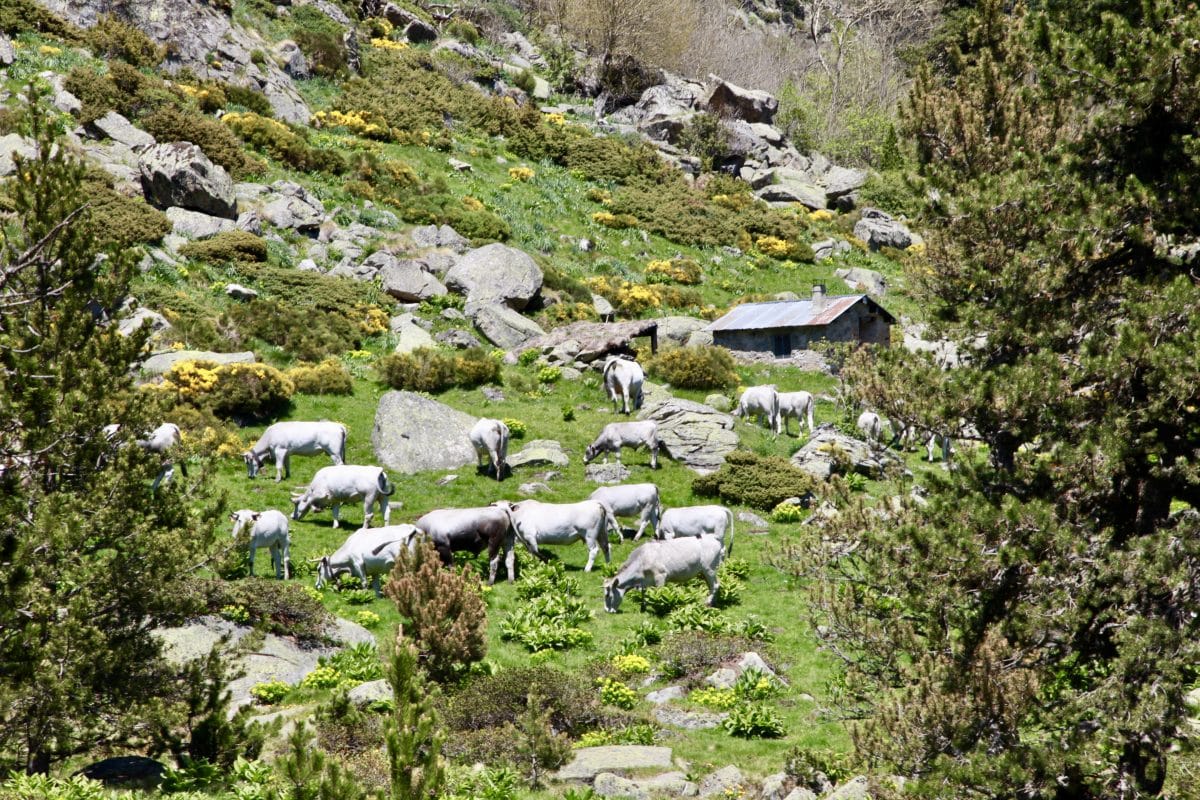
676, 330
458, 166
239, 292
294, 208
413, 433
774, 787
158, 323
701, 338
878, 229
853, 789
8, 53
492, 394
841, 181
195, 225
427, 236
829, 450
159, 363
419, 31
666, 694
540, 452
801, 793
828, 248
308, 265
693, 434
114, 126
504, 327
456, 338
446, 480
571, 374
606, 473
727, 781
531, 489
723, 678
788, 191
496, 273
591, 761
752, 660
250, 221
409, 335
751, 519
689, 720
864, 280
347, 633
604, 309
406, 281
719, 402
607, 784
370, 692
179, 174
126, 772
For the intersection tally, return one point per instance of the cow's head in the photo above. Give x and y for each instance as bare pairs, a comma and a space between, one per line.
301, 503
613, 594
243, 518
253, 463
324, 571
589, 453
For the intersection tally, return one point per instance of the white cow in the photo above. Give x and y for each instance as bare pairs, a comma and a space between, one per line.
657, 563
490, 439
870, 425
161, 441
367, 553
267, 529
697, 521
616, 435
302, 438
798, 406
632, 500
761, 402
537, 523
623, 380
342, 483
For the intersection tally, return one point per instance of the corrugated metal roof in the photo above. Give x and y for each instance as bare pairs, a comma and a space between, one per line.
790, 313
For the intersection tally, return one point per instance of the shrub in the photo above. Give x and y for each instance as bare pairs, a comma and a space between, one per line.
754, 684
490, 701
527, 357
280, 607
122, 88
328, 377
749, 479
524, 81
269, 693
695, 368
704, 136
614, 221
679, 270
549, 375
227, 246
754, 721
521, 173
242, 392
447, 618
691, 656
171, 124
615, 693
787, 512
356, 664
282, 143
463, 31
119, 221
306, 333
516, 428
320, 39
630, 664
322, 678
249, 99
20, 16
428, 370
111, 38
475, 367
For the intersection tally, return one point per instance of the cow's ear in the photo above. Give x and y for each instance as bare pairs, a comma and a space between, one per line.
256, 515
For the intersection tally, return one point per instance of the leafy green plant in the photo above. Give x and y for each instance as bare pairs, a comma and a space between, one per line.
630, 664
786, 512
754, 684
236, 613
662, 600
527, 357
615, 693
754, 721
720, 699
359, 597
325, 677
568, 413
753, 628
549, 375
356, 664
368, 619
696, 617
270, 693
516, 428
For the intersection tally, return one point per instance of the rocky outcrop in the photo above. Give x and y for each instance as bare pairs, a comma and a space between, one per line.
159, 363
830, 451
591, 761
609, 473
728, 100
864, 280
496, 274
196, 225
727, 781
406, 280
179, 174
114, 126
429, 236
292, 207
597, 340
413, 433
503, 327
14, 144
677, 330
667, 784
878, 229
158, 323
693, 434
409, 335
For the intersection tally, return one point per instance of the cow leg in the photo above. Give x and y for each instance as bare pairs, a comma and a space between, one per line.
287, 554
654, 456
710, 577
642, 520
385, 507
252, 548
593, 548
337, 507
282, 466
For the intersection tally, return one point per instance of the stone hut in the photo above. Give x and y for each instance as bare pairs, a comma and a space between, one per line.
786, 325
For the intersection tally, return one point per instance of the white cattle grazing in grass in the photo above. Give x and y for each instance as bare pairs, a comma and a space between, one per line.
267, 529
761, 402
537, 523
367, 553
623, 380
632, 500
160, 441
798, 406
697, 521
302, 438
870, 425
657, 563
936, 440
490, 440
616, 435
344, 483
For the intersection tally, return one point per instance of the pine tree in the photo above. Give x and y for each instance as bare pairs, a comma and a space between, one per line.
86, 558
1032, 630
414, 735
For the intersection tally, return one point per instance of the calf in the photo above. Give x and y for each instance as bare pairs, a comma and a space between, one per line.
368, 552
657, 563
797, 406
697, 521
471, 530
761, 402
342, 483
267, 529
623, 380
490, 439
302, 438
616, 435
537, 523
632, 500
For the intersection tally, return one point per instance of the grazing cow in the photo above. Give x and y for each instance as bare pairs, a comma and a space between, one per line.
623, 380
798, 406
616, 435
657, 563
761, 402
471, 530
267, 529
871, 426
936, 440
632, 500
342, 483
537, 523
697, 521
161, 441
302, 438
368, 552
490, 439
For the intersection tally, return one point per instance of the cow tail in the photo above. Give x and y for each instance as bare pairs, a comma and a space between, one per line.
386, 487
342, 449
610, 521
504, 435
729, 552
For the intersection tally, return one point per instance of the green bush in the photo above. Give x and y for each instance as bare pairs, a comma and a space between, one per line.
694, 368
242, 392
283, 143
747, 478
111, 38
524, 81
280, 607
491, 701
704, 137
429, 370
121, 88
269, 693
516, 428
248, 98
463, 31
119, 221
358, 663
754, 721
21, 16
227, 246
320, 39
328, 377
615, 693
696, 617
693, 655
306, 333
171, 124
787, 512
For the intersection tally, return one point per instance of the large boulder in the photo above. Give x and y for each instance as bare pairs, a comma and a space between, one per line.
405, 280
840, 181
196, 225
409, 335
591, 761
14, 144
430, 236
414, 433
863, 279
159, 363
878, 229
677, 330
830, 451
114, 126
503, 327
728, 100
693, 434
293, 207
540, 452
179, 174
792, 186
496, 273
666, 784
159, 324
727, 781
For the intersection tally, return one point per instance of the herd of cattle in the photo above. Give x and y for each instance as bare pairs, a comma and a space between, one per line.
689, 541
